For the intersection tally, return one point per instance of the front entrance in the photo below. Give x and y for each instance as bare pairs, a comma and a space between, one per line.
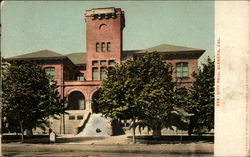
94, 105
76, 101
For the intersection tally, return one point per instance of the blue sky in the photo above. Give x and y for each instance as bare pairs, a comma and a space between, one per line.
29, 26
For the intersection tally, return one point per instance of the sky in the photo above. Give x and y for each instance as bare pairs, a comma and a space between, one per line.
29, 26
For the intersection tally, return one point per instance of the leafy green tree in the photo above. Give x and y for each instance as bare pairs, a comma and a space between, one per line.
201, 99
142, 89
157, 95
119, 92
29, 98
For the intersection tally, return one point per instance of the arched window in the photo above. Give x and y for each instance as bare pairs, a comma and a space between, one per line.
102, 26
182, 70
51, 72
76, 101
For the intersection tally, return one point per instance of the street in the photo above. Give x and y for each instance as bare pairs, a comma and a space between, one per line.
108, 150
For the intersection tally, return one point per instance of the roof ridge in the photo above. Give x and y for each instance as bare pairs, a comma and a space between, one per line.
164, 44
169, 48
45, 53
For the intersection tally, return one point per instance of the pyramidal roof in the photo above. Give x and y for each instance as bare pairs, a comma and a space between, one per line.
169, 48
38, 54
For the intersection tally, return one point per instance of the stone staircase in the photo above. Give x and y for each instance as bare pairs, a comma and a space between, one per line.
95, 127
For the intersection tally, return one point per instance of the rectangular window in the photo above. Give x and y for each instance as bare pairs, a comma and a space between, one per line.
110, 68
71, 117
111, 62
94, 62
79, 117
108, 46
50, 72
80, 77
103, 62
94, 73
103, 46
103, 72
182, 70
97, 47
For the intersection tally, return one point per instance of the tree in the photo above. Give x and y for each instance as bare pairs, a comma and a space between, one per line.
201, 98
138, 90
29, 98
157, 95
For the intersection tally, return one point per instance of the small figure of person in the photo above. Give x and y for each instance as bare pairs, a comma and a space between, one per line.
98, 130
52, 136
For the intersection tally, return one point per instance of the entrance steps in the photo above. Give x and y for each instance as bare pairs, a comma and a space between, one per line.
95, 127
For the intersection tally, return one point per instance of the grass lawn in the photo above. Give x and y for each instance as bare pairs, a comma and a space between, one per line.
165, 139
143, 139
32, 139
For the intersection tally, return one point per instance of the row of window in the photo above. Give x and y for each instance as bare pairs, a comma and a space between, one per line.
103, 62
95, 73
51, 72
181, 70
103, 47
95, 69
73, 117
103, 16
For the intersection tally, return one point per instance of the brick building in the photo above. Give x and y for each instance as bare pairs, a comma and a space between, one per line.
79, 74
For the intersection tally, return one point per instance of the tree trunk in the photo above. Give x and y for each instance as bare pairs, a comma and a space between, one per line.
134, 140
156, 132
29, 132
192, 123
22, 132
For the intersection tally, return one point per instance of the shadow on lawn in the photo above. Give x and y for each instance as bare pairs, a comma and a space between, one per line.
177, 139
44, 139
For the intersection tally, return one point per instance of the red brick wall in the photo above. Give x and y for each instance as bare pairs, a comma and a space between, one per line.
192, 66
110, 32
58, 76
87, 88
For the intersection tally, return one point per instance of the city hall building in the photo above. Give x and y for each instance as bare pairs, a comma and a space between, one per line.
79, 75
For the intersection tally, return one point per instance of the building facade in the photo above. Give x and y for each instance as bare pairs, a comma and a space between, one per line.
79, 75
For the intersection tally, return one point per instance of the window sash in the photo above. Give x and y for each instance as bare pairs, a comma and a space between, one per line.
103, 62
103, 47
79, 117
94, 73
182, 70
72, 117
103, 72
51, 72
97, 47
94, 62
108, 46
111, 62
